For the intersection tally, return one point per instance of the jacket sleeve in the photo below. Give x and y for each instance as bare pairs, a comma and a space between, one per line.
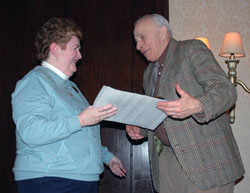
219, 94
32, 108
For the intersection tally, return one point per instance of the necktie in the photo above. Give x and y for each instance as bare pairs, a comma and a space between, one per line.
155, 75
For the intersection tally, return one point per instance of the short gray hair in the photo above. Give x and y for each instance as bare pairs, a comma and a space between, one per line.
162, 21
159, 20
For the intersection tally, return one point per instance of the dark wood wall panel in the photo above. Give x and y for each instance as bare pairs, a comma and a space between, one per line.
109, 58
106, 45
115, 139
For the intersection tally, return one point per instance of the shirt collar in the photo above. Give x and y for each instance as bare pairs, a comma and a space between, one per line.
55, 70
163, 55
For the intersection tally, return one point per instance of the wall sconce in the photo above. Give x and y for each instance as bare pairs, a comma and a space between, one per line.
232, 48
204, 40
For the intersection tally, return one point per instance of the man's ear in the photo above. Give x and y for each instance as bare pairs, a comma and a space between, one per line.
54, 49
164, 32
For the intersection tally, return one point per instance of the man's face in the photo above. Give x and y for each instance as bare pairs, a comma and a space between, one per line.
149, 39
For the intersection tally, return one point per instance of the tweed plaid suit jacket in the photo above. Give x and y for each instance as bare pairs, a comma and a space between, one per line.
203, 143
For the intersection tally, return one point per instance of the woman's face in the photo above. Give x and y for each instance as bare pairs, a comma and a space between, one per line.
69, 56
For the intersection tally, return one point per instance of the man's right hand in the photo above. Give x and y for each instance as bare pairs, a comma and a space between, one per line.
134, 132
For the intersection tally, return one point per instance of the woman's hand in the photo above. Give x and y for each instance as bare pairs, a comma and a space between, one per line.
116, 167
93, 115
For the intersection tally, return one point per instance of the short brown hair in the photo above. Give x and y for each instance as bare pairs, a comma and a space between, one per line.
58, 30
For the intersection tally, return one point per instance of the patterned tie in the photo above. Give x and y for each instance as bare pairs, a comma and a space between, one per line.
158, 144
155, 75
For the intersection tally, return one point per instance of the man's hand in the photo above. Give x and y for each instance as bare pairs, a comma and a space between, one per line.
116, 167
134, 132
181, 108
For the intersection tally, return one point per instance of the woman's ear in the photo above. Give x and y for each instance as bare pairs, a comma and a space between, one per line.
54, 49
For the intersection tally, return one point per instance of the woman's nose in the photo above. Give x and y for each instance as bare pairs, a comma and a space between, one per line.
79, 55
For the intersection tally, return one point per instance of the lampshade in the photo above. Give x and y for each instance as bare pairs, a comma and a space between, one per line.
204, 40
232, 44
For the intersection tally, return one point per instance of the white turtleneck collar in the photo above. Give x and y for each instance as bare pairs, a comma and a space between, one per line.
55, 70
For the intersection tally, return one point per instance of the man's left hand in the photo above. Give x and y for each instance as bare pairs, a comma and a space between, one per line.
181, 108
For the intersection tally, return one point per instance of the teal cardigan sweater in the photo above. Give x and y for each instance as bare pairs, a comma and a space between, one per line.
49, 138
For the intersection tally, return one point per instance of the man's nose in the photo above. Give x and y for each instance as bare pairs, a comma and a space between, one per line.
138, 45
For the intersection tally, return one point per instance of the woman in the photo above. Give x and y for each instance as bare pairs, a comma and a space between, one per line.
57, 131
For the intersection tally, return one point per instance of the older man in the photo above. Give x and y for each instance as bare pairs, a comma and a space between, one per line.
194, 149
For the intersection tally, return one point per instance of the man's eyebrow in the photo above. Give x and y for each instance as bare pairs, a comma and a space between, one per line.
138, 36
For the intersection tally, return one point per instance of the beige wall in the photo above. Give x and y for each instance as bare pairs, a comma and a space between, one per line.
212, 19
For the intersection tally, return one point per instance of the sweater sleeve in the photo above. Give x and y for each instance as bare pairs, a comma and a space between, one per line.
32, 107
106, 155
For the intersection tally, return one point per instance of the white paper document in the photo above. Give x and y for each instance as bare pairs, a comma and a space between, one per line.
133, 109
